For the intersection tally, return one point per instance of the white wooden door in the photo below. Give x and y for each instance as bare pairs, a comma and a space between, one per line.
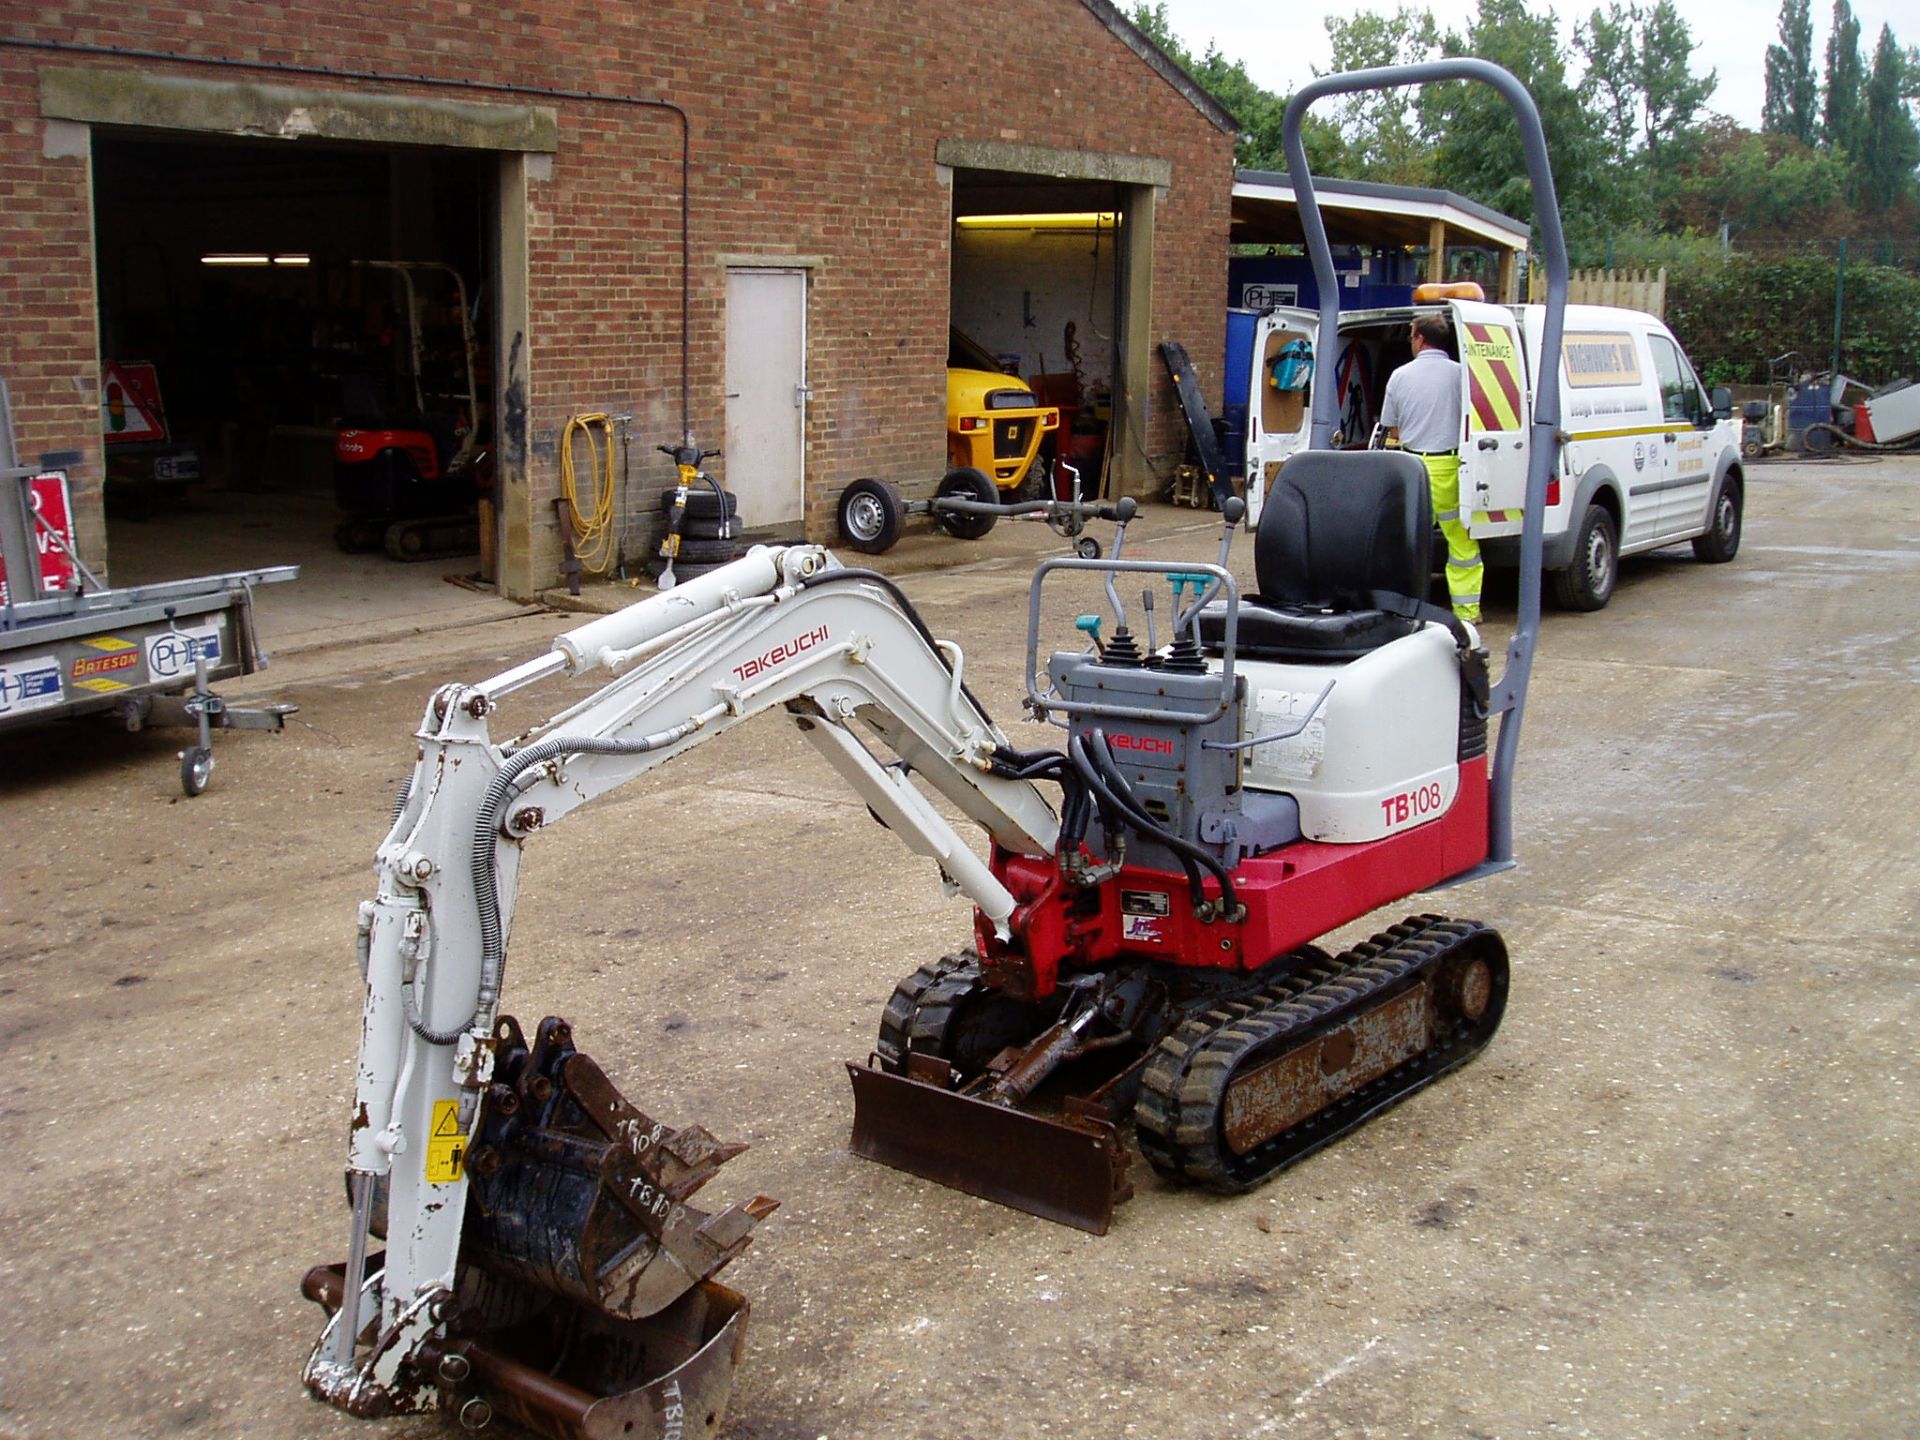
766, 393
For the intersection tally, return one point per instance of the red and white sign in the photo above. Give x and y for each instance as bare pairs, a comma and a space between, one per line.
51, 512
130, 407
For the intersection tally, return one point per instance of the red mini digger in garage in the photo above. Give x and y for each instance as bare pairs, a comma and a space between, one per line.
409, 469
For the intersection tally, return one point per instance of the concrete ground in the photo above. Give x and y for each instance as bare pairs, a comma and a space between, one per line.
1673, 1198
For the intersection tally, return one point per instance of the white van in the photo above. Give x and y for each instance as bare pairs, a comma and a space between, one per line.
1650, 459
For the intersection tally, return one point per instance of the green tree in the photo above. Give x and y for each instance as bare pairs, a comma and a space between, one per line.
1671, 95
1890, 144
1639, 72
1380, 130
1842, 111
1791, 106
1771, 192
1152, 22
1607, 44
1261, 113
1479, 152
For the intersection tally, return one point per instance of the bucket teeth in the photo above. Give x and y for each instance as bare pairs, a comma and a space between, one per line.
580, 1192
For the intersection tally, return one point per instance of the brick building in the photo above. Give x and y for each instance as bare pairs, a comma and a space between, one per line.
834, 153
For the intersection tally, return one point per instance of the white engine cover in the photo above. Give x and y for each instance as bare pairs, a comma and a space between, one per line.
1380, 755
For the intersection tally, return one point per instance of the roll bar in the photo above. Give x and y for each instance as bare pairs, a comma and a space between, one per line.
1509, 697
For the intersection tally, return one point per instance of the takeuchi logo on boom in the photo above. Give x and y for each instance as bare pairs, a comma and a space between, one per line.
781, 653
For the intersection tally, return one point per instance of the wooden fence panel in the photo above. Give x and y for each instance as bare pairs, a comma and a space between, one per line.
1633, 289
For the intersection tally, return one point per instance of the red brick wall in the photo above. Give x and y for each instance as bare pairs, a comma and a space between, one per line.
49, 346
814, 131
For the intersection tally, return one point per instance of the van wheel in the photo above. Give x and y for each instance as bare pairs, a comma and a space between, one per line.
1722, 540
1587, 583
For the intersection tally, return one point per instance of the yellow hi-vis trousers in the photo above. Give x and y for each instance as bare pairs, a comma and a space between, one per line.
1465, 573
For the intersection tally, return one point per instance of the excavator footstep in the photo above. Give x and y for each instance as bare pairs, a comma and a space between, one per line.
1071, 1171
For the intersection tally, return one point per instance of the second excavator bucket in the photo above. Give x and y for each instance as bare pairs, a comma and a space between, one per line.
1072, 1171
570, 1372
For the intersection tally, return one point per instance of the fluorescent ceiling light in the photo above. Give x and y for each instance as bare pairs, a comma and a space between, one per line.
1076, 220
256, 259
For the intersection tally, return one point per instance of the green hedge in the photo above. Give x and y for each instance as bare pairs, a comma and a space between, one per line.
1732, 315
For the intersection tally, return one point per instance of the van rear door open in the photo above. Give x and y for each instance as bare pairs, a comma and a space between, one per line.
1496, 407
1279, 399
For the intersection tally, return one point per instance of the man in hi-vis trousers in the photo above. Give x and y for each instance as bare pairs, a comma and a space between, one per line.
1423, 405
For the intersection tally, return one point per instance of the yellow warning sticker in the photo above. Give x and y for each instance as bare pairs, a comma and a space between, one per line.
446, 1146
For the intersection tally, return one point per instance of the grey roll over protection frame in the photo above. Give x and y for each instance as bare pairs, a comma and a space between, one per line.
1509, 697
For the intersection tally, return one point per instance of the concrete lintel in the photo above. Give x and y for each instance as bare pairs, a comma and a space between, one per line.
1059, 164
288, 112
763, 260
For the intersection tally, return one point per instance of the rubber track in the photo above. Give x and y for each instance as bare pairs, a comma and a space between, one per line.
922, 1007
1183, 1090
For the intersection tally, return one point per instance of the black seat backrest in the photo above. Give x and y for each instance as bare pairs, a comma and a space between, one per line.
1341, 524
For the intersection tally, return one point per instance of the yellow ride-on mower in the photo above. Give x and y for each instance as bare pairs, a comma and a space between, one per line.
995, 423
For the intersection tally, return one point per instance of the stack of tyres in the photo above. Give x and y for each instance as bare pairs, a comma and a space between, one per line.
709, 535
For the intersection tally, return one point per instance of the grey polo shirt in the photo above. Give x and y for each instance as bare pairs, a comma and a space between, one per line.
1423, 402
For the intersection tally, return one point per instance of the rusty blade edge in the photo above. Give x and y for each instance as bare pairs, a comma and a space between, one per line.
1063, 1173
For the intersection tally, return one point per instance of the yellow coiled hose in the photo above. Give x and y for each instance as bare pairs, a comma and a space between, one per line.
595, 537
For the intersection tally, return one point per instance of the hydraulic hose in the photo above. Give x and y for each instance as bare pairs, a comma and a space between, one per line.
486, 841
1076, 805
1095, 750
593, 523
1114, 811
899, 597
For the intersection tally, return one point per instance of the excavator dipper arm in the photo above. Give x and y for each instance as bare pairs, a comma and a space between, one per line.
784, 628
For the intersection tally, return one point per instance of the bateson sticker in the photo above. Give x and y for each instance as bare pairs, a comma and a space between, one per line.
1493, 377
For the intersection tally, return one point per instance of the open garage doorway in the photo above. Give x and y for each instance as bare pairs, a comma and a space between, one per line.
1043, 289
251, 311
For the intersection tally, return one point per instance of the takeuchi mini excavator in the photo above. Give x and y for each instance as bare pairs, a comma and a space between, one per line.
524, 1239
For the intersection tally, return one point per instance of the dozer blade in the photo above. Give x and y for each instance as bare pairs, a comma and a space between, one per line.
1072, 1172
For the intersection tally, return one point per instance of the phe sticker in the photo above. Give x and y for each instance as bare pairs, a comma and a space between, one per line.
170, 655
29, 684
1141, 929
446, 1146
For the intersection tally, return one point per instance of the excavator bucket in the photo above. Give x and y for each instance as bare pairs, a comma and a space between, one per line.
570, 1372
583, 1305
1072, 1171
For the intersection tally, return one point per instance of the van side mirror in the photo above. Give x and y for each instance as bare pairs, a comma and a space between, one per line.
1722, 402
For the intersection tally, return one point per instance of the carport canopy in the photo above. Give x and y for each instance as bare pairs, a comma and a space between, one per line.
1364, 213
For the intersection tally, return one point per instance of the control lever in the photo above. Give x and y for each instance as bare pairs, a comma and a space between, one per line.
1233, 512
1124, 510
1090, 625
1146, 603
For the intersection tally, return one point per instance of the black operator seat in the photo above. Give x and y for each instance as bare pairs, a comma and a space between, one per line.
1341, 559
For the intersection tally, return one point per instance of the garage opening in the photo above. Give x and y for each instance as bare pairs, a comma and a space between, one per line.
258, 301
1039, 293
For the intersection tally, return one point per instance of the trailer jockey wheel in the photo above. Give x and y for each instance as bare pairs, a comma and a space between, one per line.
196, 768
1087, 548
